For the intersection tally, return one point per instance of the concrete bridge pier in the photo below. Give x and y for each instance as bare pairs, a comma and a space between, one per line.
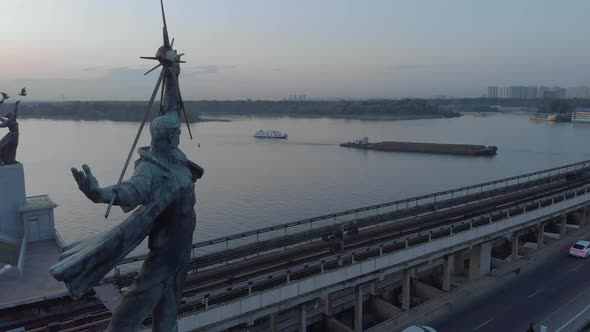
328, 300
274, 323
480, 260
541, 236
301, 318
358, 309
563, 226
515, 246
407, 275
448, 264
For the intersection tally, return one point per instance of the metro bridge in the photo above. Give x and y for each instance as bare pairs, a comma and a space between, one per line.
354, 269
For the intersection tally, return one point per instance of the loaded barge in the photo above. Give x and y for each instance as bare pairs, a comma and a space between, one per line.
454, 149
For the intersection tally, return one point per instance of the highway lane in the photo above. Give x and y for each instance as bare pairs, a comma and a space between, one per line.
552, 294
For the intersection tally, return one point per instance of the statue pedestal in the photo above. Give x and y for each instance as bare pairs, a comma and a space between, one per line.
12, 196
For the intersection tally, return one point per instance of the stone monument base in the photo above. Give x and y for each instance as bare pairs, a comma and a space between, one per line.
12, 196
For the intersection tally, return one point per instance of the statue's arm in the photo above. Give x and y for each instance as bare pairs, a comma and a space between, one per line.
130, 194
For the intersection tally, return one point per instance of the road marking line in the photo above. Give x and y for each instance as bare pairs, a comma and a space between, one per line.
563, 306
482, 325
537, 292
577, 267
573, 319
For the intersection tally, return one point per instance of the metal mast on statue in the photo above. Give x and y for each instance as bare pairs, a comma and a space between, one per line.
161, 198
170, 96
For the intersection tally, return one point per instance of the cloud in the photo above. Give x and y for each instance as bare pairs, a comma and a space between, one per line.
201, 70
110, 83
410, 66
98, 68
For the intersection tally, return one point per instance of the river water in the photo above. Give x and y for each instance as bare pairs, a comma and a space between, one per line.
250, 183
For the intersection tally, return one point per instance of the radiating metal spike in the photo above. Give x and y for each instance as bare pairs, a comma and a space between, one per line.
166, 40
149, 71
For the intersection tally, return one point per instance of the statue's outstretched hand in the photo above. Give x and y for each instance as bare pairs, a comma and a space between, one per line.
88, 184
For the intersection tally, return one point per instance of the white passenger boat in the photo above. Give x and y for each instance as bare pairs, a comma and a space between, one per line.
270, 134
581, 115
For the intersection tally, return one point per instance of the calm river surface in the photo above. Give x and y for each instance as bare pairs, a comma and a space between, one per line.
252, 183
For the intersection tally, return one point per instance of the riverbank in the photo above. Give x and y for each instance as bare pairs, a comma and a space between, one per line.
341, 116
131, 111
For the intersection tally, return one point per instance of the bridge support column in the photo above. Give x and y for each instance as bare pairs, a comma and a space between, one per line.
447, 272
406, 284
515, 245
358, 309
328, 305
301, 318
274, 324
541, 236
584, 216
562, 226
480, 260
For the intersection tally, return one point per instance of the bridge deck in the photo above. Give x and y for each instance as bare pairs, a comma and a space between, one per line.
254, 267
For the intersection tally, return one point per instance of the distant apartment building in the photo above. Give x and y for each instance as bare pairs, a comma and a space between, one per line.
492, 92
532, 92
297, 97
578, 92
551, 92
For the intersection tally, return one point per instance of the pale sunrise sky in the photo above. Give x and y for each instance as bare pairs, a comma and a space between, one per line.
269, 49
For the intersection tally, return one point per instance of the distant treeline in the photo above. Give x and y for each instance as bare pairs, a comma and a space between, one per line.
547, 105
134, 110
402, 108
130, 111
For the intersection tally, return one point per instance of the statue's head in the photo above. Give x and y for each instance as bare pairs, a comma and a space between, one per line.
165, 131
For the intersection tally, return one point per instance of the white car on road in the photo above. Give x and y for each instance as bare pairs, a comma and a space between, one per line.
580, 249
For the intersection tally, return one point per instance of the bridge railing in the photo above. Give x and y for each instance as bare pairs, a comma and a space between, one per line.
290, 228
211, 298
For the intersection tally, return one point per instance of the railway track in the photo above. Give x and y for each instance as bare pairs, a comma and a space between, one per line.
225, 256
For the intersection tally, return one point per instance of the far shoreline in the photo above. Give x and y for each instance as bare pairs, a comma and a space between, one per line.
213, 117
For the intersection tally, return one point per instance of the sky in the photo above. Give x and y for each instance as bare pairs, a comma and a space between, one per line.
270, 49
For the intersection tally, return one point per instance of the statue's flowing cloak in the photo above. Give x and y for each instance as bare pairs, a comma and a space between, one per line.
83, 264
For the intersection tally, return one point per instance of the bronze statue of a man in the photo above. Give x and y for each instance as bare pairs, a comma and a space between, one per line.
9, 142
161, 194
163, 184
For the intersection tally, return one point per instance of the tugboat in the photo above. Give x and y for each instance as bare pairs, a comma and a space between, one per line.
270, 134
